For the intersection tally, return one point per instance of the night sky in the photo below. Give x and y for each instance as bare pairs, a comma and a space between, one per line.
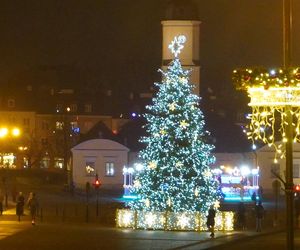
116, 44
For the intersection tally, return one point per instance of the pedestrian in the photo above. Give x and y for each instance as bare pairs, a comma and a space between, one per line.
253, 198
210, 223
1, 202
20, 205
241, 216
32, 203
259, 214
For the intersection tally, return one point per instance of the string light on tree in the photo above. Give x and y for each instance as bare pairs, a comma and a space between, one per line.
180, 157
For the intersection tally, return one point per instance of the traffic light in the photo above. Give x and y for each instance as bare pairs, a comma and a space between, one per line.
97, 183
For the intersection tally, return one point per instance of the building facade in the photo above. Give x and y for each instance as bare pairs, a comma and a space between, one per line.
101, 157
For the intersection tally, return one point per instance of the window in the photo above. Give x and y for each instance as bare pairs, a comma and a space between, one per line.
73, 107
45, 125
59, 163
11, 103
90, 166
88, 108
109, 169
45, 162
59, 125
296, 172
275, 170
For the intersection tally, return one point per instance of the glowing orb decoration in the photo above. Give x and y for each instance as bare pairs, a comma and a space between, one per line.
188, 221
272, 94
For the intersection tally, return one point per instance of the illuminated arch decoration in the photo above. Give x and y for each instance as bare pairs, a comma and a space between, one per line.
271, 91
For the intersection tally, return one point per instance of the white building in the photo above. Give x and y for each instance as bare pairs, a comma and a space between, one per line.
99, 156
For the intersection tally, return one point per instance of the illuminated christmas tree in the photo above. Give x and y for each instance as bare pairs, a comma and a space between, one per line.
176, 175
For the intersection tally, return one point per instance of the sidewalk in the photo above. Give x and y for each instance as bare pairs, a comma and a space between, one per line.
134, 239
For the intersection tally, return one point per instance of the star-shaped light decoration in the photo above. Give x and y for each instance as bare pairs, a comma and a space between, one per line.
183, 80
162, 132
216, 204
177, 44
184, 124
207, 174
147, 203
137, 184
172, 106
152, 165
183, 221
178, 164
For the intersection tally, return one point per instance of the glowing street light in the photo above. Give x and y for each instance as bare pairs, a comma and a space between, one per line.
3, 132
16, 132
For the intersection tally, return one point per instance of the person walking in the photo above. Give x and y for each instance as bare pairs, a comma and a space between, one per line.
259, 214
20, 206
210, 223
32, 203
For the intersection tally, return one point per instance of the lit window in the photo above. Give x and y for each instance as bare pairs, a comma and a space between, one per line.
58, 163
296, 171
109, 169
45, 162
88, 108
59, 125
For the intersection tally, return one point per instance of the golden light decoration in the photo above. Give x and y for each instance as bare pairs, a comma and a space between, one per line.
217, 204
189, 221
271, 92
184, 124
178, 164
152, 165
163, 132
172, 106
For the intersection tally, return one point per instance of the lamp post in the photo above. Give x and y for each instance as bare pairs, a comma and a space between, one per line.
275, 102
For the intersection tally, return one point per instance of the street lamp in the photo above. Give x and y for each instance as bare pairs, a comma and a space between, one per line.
275, 102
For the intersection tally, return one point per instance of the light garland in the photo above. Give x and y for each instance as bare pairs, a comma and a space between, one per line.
271, 92
189, 221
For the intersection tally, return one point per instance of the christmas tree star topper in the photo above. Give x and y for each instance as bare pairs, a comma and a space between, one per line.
177, 44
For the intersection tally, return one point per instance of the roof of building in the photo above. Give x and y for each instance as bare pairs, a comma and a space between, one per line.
100, 144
